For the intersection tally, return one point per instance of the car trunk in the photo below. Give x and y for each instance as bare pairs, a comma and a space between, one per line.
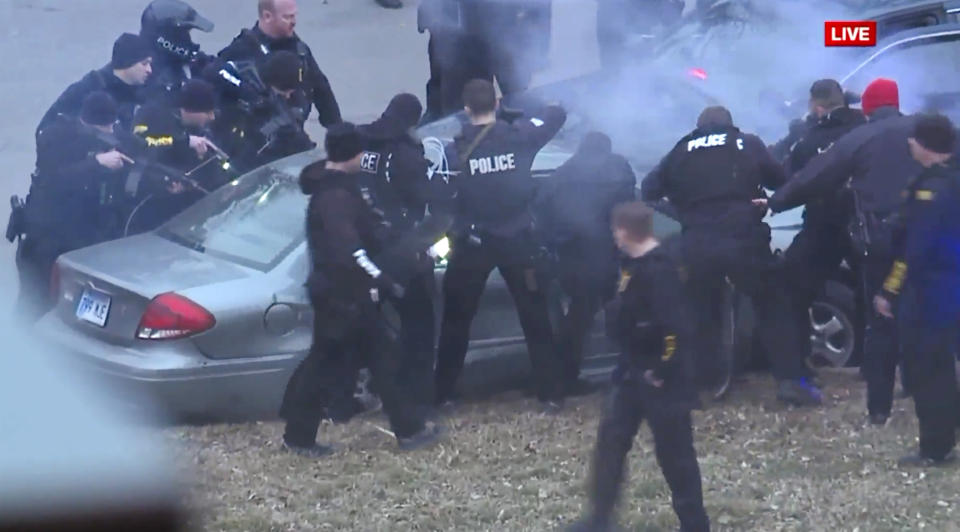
105, 289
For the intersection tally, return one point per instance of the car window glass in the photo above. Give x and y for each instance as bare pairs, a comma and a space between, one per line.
254, 221
927, 72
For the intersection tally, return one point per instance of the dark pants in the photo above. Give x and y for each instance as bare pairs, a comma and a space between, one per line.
752, 268
588, 285
929, 354
813, 258
35, 260
880, 342
463, 285
455, 59
673, 444
418, 334
329, 373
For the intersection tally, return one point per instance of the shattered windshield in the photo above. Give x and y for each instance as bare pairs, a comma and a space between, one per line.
254, 221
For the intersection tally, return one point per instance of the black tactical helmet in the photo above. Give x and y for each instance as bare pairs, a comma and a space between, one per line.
167, 24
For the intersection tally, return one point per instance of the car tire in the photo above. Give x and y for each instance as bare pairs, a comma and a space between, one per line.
837, 333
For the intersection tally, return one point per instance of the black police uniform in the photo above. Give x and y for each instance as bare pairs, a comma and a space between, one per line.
127, 97
170, 159
395, 177
74, 202
166, 24
924, 283
254, 45
264, 132
494, 196
711, 177
471, 39
653, 326
350, 332
574, 214
821, 246
874, 158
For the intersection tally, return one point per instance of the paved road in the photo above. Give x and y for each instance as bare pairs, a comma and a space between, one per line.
368, 53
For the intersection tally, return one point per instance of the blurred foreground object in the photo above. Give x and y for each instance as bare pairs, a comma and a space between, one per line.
86, 471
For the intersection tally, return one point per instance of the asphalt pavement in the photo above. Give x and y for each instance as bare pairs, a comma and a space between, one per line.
368, 53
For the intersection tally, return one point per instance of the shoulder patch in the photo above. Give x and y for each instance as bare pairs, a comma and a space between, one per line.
140, 128
536, 122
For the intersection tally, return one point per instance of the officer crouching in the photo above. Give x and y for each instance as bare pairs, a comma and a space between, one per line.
74, 196
924, 287
653, 381
346, 288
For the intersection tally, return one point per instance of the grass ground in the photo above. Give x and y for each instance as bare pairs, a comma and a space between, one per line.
505, 467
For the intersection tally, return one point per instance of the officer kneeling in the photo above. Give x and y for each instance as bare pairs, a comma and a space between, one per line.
343, 233
924, 281
654, 377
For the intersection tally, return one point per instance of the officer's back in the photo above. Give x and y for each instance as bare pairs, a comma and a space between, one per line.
713, 175
494, 185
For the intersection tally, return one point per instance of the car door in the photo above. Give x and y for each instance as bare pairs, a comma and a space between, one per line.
926, 66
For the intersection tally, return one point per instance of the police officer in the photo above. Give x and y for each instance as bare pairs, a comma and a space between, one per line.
344, 234
575, 214
265, 123
875, 160
494, 195
122, 79
823, 243
74, 195
177, 140
924, 287
166, 24
654, 380
714, 177
395, 175
273, 32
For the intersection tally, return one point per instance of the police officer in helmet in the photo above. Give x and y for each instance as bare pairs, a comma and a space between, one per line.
495, 229
714, 178
166, 24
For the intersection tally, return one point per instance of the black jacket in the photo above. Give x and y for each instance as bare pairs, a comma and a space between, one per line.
127, 97
74, 200
927, 245
170, 72
576, 202
395, 172
653, 324
340, 224
254, 45
257, 135
816, 140
494, 188
874, 158
711, 177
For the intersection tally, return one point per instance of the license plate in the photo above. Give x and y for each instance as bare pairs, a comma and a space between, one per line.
94, 307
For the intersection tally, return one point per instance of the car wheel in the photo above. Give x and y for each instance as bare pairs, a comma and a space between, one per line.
834, 337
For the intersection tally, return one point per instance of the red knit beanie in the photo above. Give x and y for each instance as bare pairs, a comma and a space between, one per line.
880, 92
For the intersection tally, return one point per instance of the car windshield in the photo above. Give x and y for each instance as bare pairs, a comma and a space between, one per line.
254, 221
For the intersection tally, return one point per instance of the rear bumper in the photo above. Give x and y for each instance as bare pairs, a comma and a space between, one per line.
173, 377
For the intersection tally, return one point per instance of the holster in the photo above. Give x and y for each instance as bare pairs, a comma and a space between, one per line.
17, 222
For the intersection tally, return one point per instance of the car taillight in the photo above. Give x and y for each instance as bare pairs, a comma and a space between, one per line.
170, 316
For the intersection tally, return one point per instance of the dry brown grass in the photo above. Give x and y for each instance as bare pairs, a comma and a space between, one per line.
506, 467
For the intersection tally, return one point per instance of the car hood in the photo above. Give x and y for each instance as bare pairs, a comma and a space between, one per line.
151, 264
